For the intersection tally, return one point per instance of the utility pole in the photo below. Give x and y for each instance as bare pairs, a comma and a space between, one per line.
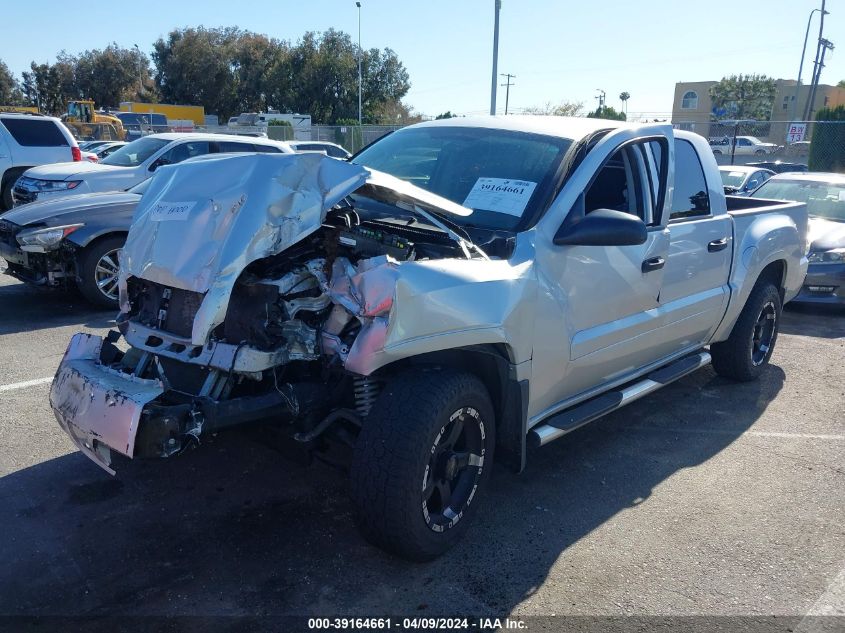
358, 4
498, 8
801, 65
808, 108
601, 97
507, 88
825, 46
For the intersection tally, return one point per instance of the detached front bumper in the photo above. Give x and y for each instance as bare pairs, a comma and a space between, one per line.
99, 407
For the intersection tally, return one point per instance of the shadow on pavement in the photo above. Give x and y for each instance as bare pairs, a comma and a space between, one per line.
232, 528
25, 308
807, 319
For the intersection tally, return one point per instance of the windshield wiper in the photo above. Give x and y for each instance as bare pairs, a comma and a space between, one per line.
443, 224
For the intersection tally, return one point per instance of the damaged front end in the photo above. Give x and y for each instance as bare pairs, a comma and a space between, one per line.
268, 297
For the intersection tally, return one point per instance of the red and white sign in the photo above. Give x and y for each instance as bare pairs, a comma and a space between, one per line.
796, 132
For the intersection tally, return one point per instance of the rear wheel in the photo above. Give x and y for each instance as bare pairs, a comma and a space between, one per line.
422, 460
747, 351
98, 269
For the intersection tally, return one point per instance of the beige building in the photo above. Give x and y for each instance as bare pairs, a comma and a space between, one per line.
691, 108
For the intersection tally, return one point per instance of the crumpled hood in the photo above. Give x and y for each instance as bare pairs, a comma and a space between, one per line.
825, 235
71, 209
201, 223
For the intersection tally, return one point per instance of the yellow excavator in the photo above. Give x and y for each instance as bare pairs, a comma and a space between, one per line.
87, 124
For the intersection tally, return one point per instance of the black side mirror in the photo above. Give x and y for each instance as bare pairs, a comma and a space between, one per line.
159, 162
602, 227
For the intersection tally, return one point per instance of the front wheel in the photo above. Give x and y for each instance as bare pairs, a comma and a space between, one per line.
421, 462
748, 349
98, 269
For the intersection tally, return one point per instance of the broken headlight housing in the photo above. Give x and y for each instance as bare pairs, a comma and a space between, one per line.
39, 240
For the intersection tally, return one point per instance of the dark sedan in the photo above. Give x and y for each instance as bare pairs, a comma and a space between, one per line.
70, 241
825, 198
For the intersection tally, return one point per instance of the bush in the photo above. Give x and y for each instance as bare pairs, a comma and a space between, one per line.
278, 122
827, 149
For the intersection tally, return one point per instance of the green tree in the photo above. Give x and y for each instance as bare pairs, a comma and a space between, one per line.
196, 66
744, 97
444, 115
841, 84
111, 75
607, 112
623, 97
827, 149
564, 108
10, 92
50, 87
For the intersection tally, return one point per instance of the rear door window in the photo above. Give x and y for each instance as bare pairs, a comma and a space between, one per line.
233, 146
690, 198
35, 132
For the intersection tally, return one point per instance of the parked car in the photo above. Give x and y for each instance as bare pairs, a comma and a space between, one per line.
90, 146
72, 241
824, 195
130, 165
542, 277
27, 140
329, 149
779, 166
739, 180
108, 148
744, 145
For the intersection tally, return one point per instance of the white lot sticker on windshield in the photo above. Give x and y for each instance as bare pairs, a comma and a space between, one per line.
500, 194
164, 211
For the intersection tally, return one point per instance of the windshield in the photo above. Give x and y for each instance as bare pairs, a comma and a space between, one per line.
502, 175
823, 199
134, 153
732, 178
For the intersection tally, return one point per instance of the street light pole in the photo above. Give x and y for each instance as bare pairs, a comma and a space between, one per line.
498, 4
140, 75
358, 4
801, 66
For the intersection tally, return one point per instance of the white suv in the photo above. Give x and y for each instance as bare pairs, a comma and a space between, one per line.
28, 140
131, 164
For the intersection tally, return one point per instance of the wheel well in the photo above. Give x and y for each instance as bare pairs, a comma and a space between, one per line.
11, 173
492, 365
775, 273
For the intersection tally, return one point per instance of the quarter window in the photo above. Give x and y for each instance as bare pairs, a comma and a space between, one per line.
35, 132
690, 198
690, 100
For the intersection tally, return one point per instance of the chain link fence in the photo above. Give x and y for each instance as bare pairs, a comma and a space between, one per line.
820, 145
350, 137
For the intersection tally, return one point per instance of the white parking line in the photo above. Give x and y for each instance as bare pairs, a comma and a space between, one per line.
803, 436
830, 603
26, 383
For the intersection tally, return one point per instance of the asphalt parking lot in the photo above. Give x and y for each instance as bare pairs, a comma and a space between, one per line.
706, 498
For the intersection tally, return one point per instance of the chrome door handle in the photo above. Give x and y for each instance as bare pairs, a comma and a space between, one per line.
717, 245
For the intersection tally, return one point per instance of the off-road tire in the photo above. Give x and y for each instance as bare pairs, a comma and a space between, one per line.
87, 264
391, 459
734, 358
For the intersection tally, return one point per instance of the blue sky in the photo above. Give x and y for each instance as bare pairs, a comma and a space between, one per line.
558, 50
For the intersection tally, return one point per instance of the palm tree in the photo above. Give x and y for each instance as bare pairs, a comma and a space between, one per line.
624, 99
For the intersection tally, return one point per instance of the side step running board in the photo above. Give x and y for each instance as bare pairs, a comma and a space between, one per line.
567, 421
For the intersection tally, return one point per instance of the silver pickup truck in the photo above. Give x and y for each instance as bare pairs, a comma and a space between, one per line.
459, 289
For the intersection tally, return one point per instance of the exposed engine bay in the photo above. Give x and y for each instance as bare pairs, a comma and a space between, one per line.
292, 347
